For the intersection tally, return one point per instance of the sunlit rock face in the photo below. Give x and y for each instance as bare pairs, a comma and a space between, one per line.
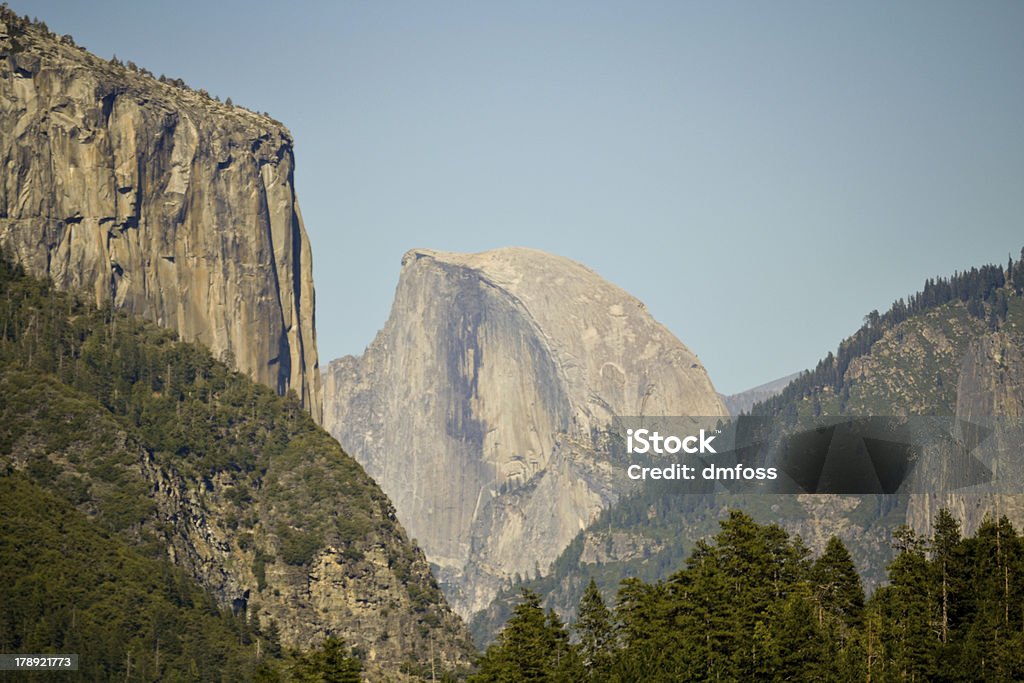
160, 201
479, 406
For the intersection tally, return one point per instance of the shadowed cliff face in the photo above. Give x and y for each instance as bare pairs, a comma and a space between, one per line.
160, 201
477, 406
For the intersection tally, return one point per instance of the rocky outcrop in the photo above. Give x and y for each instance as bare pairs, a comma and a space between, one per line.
990, 385
480, 405
157, 200
377, 593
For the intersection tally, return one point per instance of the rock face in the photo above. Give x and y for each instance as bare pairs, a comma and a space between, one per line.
157, 200
478, 407
990, 384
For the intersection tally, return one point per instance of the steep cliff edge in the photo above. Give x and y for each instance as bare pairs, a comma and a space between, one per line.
158, 200
479, 405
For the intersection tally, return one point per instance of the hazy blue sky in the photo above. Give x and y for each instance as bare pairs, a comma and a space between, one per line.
760, 174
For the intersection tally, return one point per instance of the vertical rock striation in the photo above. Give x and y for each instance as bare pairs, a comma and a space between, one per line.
157, 200
479, 405
990, 385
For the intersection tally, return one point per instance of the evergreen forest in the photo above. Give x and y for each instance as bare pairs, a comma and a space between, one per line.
752, 604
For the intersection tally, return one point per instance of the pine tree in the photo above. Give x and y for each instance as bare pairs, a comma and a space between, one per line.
330, 663
523, 639
908, 619
801, 651
1018, 274
273, 634
646, 628
563, 661
837, 596
837, 587
596, 635
946, 556
994, 627
531, 647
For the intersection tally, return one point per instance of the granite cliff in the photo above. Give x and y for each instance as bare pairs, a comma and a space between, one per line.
949, 362
480, 405
158, 200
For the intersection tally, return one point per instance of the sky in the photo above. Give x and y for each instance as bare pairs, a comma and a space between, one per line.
761, 175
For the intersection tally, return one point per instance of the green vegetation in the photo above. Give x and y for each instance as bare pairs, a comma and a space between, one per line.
906, 361
68, 585
88, 392
532, 647
984, 294
329, 663
115, 417
648, 534
752, 605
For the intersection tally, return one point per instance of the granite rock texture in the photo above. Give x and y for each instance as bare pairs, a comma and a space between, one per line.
160, 201
480, 406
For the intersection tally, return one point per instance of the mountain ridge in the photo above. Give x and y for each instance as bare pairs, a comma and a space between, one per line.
743, 401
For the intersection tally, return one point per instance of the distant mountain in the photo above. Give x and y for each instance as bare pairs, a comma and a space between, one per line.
744, 400
956, 348
159, 200
170, 457
479, 407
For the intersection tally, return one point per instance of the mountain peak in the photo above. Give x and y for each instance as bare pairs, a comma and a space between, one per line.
514, 359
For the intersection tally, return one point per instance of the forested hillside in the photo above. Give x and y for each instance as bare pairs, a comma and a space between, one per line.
978, 298
170, 454
68, 585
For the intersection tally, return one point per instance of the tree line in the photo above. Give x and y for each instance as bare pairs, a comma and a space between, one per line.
752, 604
985, 292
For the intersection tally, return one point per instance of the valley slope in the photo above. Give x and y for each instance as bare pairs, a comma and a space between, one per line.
181, 458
